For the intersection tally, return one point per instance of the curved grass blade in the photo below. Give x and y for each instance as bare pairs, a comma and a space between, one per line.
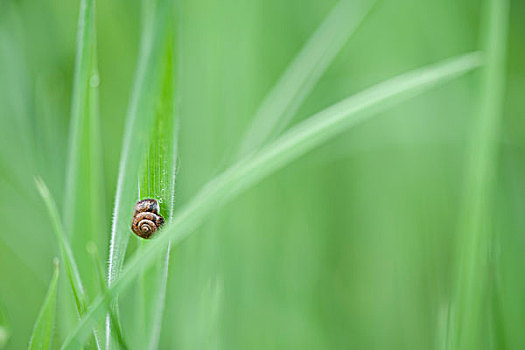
138, 126
43, 329
294, 143
303, 73
65, 251
476, 221
84, 213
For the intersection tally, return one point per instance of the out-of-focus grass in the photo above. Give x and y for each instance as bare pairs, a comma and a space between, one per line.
352, 246
252, 169
478, 239
301, 76
71, 266
84, 214
43, 330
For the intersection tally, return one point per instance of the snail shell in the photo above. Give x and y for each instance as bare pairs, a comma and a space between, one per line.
146, 218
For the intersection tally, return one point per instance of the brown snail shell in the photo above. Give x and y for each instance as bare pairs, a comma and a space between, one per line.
146, 218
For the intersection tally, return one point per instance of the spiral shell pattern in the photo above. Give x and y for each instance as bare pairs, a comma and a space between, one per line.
146, 218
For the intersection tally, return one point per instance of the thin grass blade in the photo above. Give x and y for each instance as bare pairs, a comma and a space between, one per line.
138, 125
303, 73
43, 330
294, 143
477, 217
65, 249
66, 253
96, 263
84, 212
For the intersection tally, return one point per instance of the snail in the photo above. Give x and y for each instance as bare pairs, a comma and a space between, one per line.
146, 218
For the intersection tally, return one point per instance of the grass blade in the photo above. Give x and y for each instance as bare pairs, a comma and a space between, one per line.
84, 213
65, 251
301, 76
158, 299
43, 330
475, 225
294, 143
138, 123
96, 262
158, 182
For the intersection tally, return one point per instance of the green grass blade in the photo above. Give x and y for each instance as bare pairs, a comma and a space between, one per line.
43, 330
146, 86
158, 181
65, 249
96, 262
158, 300
476, 222
303, 73
84, 212
66, 253
294, 143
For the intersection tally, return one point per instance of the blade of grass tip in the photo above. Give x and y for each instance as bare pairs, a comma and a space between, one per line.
84, 215
96, 262
65, 251
138, 124
294, 143
158, 182
481, 168
301, 76
43, 329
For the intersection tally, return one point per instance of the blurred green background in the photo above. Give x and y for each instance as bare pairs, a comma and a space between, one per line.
352, 246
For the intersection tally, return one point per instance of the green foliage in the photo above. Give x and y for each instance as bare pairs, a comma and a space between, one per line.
301, 76
84, 210
290, 146
75, 282
158, 181
43, 330
476, 225
136, 134
150, 126
391, 219
116, 330
65, 248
